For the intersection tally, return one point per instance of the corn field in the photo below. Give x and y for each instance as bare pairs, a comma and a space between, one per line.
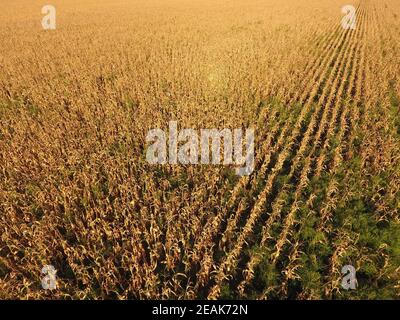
77, 193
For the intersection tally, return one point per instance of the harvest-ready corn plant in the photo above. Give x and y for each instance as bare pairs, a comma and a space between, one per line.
84, 214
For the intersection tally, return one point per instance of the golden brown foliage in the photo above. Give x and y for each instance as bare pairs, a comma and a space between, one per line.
76, 191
